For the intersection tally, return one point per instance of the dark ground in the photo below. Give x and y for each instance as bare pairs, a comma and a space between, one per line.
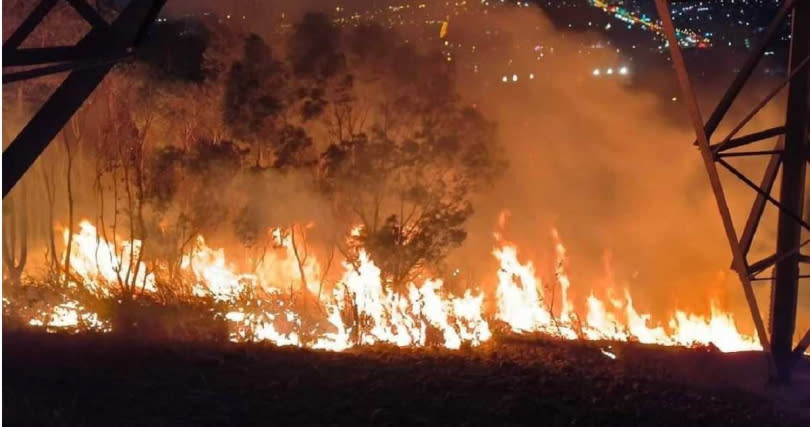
100, 380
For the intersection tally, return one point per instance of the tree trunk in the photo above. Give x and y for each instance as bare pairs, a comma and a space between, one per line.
299, 260
13, 226
69, 245
326, 271
50, 193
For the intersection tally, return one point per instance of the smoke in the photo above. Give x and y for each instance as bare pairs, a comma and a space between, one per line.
611, 167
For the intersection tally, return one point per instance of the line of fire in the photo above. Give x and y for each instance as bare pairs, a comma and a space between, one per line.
406, 212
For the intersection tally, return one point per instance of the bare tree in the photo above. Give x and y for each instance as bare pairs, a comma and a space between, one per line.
71, 137
15, 236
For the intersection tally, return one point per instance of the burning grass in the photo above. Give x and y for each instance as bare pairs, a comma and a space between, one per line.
110, 288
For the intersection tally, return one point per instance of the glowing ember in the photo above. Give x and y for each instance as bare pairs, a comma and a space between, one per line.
68, 317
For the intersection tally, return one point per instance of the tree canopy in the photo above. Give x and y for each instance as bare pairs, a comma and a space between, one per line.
192, 137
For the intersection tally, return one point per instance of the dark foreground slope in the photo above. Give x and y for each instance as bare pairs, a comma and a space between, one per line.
98, 380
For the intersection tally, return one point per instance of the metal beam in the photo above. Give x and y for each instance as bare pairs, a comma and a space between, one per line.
27, 26
46, 55
748, 139
60, 68
803, 344
89, 13
786, 272
762, 279
768, 261
758, 207
793, 215
748, 67
128, 27
761, 265
750, 153
795, 71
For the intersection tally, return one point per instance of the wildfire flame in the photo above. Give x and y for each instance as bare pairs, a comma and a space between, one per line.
522, 306
103, 265
402, 319
362, 310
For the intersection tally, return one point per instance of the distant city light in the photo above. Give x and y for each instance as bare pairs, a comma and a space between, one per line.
504, 79
610, 71
531, 76
514, 77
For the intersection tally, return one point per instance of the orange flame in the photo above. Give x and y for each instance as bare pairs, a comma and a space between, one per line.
362, 309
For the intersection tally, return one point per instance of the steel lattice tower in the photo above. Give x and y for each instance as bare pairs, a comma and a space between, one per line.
790, 154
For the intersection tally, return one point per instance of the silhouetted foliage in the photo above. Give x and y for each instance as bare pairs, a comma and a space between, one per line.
314, 48
253, 97
406, 162
165, 172
175, 50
